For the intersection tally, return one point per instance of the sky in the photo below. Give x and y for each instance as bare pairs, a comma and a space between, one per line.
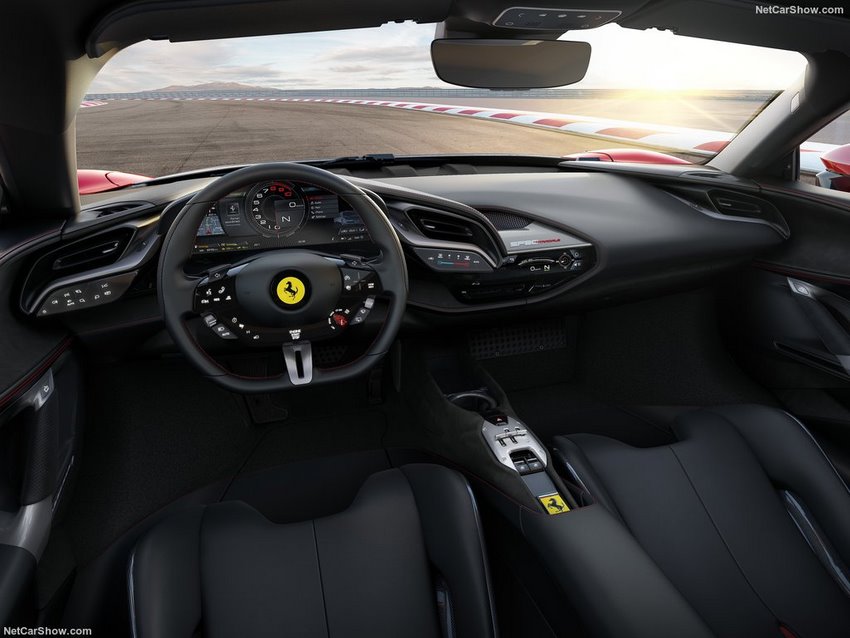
397, 55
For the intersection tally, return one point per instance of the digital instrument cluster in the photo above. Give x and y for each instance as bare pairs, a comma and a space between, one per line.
278, 214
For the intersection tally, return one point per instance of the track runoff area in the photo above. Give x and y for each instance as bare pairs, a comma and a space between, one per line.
168, 135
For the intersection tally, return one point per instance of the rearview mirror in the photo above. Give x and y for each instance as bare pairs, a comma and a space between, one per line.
510, 64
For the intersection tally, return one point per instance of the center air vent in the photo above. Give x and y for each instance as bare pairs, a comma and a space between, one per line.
443, 226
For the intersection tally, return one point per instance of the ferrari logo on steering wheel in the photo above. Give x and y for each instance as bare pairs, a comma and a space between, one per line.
291, 290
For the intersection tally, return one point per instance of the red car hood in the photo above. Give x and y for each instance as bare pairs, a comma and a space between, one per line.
90, 180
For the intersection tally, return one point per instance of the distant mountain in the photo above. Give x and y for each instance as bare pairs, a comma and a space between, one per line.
211, 86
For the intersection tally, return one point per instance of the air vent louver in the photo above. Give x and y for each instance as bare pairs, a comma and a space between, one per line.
100, 250
436, 225
444, 229
117, 207
443, 226
734, 204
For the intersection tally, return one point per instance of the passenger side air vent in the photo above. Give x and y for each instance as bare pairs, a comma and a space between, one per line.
117, 207
748, 207
732, 205
735, 204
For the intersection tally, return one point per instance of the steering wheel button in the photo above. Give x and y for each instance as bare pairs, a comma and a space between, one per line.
222, 331
210, 320
360, 315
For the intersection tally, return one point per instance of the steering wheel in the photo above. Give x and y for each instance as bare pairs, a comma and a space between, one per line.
287, 298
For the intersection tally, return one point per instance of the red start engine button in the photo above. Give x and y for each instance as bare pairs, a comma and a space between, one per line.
340, 319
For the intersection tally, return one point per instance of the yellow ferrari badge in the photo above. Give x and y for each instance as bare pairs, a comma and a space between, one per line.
554, 504
291, 290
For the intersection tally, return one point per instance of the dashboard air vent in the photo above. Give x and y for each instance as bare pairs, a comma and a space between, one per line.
117, 207
732, 205
444, 229
735, 204
100, 250
445, 226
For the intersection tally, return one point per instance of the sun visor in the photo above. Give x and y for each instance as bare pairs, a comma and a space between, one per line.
187, 20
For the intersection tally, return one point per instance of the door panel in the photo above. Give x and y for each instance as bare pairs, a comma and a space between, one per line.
788, 317
40, 397
38, 448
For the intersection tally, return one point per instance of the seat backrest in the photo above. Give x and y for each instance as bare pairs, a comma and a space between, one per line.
405, 559
710, 512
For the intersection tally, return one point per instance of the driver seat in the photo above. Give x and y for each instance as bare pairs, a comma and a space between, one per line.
405, 559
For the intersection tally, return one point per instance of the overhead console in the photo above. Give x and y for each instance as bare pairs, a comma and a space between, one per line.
492, 257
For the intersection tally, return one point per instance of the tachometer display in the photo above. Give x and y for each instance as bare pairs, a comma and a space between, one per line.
276, 208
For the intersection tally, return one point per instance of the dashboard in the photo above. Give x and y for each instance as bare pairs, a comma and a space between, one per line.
278, 214
495, 240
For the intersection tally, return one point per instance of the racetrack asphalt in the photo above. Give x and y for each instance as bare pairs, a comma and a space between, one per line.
163, 137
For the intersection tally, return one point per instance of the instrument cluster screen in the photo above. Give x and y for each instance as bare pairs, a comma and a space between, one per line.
278, 214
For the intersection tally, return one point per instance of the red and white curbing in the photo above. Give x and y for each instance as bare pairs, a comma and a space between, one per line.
689, 140
87, 104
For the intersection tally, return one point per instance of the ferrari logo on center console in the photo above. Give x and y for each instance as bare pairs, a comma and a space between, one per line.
554, 504
291, 290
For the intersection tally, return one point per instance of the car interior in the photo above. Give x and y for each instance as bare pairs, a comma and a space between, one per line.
526, 397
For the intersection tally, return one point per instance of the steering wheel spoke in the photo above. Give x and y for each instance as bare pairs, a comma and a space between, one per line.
298, 359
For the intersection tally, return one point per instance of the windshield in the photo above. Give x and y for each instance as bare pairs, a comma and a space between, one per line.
159, 108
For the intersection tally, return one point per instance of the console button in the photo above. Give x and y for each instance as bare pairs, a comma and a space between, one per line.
534, 465
535, 264
457, 261
82, 295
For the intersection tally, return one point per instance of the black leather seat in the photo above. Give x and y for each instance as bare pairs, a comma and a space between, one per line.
405, 559
745, 515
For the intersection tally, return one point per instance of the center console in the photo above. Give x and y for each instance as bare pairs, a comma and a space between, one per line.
516, 447
584, 570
